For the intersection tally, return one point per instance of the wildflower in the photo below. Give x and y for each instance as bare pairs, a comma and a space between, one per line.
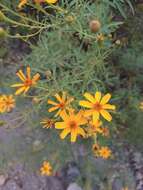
62, 104
23, 2
93, 128
46, 169
105, 152
97, 106
8, 102
47, 123
27, 81
94, 25
71, 124
141, 106
96, 125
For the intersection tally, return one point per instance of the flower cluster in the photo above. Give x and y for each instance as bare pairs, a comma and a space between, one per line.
84, 122
101, 151
7, 103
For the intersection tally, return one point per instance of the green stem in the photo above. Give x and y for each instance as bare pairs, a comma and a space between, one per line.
14, 13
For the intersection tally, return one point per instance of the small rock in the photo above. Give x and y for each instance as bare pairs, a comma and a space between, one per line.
74, 186
11, 185
3, 179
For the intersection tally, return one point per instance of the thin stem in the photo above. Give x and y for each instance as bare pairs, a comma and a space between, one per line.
15, 13
27, 36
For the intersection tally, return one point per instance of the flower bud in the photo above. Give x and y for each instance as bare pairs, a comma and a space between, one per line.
94, 25
36, 100
2, 16
69, 19
3, 33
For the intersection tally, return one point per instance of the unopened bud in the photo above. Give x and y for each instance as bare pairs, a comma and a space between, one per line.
2, 16
3, 33
94, 25
36, 100
69, 19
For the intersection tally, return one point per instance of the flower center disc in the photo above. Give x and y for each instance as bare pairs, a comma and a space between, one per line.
62, 105
28, 82
72, 124
97, 106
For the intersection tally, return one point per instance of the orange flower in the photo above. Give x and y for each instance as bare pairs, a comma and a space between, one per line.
71, 124
93, 128
96, 125
97, 106
46, 169
27, 81
62, 105
47, 123
9, 102
105, 152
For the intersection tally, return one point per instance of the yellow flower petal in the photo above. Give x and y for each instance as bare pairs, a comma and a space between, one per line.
21, 75
106, 115
28, 72
73, 135
17, 85
58, 113
52, 109
89, 97
52, 102
51, 1
36, 78
85, 104
98, 96
109, 106
26, 89
20, 90
95, 116
81, 120
64, 115
81, 131
88, 112
58, 97
105, 99
64, 133
60, 125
